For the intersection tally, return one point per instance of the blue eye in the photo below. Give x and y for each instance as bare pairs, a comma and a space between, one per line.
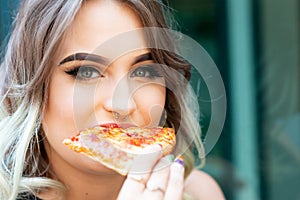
146, 72
84, 72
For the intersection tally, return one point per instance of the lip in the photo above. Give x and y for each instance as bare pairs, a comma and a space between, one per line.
110, 125
115, 125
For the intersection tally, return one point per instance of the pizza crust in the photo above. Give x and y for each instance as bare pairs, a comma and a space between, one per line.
116, 148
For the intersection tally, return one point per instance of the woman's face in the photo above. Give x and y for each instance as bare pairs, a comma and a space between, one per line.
90, 84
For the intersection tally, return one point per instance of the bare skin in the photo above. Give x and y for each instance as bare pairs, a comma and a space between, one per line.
84, 178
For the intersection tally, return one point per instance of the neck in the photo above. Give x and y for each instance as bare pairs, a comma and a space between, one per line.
96, 187
82, 184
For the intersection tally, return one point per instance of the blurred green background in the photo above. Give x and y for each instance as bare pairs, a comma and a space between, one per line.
255, 44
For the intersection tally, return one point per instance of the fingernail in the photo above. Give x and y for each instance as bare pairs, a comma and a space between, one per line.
179, 160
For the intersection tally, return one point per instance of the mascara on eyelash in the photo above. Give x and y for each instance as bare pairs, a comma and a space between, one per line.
152, 70
74, 72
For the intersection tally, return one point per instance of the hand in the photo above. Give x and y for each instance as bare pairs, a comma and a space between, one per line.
154, 178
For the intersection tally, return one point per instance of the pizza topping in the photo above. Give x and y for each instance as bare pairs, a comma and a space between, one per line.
116, 147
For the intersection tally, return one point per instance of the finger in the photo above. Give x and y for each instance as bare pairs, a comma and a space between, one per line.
145, 161
174, 189
139, 174
157, 183
131, 189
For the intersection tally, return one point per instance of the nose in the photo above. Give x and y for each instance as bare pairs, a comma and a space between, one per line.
120, 100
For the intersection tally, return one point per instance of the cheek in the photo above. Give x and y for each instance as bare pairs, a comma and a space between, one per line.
59, 120
59, 123
69, 105
58, 117
150, 103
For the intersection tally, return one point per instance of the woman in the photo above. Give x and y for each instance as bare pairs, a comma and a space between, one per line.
58, 79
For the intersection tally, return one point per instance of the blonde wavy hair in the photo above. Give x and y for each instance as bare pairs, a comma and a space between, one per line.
37, 32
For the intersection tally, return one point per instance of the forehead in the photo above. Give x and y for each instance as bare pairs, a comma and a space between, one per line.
99, 21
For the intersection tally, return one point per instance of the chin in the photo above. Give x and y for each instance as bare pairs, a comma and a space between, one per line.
92, 167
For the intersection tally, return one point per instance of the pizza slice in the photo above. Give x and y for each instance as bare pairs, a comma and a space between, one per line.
117, 147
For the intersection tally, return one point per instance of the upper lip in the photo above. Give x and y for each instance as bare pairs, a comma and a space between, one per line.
117, 125
109, 124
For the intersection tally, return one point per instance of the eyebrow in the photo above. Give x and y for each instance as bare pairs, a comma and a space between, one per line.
143, 57
85, 56
100, 59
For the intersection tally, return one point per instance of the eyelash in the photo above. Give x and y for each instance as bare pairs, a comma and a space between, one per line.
74, 72
150, 72
153, 72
